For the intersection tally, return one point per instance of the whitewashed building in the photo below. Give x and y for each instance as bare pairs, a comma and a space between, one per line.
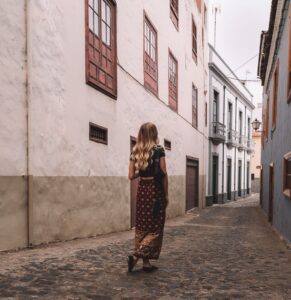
230, 141
78, 78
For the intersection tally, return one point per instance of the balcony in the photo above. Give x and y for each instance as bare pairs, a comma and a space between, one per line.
241, 143
218, 133
250, 146
231, 138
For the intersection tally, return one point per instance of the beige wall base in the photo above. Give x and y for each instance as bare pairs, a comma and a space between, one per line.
64, 208
13, 212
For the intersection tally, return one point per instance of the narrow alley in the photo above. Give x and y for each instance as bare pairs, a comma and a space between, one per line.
222, 252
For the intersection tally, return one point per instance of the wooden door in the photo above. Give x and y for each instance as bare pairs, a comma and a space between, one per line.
215, 178
192, 190
228, 179
239, 178
271, 194
261, 187
248, 177
133, 190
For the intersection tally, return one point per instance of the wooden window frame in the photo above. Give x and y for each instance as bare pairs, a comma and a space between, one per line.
199, 5
174, 13
289, 62
194, 109
286, 189
267, 118
173, 103
275, 96
150, 82
95, 65
105, 142
194, 41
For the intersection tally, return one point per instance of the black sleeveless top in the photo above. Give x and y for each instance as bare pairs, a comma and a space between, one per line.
158, 152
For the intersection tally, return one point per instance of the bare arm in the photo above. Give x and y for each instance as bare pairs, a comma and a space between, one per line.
131, 174
165, 178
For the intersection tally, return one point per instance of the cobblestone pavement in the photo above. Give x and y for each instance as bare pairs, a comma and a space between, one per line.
222, 252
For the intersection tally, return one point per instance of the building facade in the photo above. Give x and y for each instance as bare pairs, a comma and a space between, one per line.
77, 81
230, 141
275, 72
256, 155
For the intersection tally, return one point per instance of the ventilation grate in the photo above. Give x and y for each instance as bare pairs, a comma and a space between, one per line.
98, 134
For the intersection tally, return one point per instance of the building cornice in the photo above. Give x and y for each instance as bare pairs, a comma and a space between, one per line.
228, 82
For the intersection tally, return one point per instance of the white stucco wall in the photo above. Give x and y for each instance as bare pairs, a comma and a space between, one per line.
12, 92
67, 104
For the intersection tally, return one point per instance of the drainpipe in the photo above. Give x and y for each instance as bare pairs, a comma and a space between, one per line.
235, 125
245, 153
27, 104
222, 187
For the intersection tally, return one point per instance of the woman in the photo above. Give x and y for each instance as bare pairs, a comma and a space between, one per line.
147, 161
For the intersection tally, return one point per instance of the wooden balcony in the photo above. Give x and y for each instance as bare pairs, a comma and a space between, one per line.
218, 133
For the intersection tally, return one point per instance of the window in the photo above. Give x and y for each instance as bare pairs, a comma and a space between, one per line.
215, 106
289, 63
101, 64
194, 40
98, 134
240, 121
194, 106
150, 57
205, 15
206, 112
167, 144
267, 119
173, 82
263, 127
174, 12
229, 120
275, 96
287, 175
199, 5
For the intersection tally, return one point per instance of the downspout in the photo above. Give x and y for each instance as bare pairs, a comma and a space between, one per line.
235, 125
245, 153
27, 100
222, 187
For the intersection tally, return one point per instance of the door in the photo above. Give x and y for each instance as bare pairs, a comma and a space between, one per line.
133, 190
248, 177
192, 175
228, 179
271, 193
215, 178
261, 187
239, 177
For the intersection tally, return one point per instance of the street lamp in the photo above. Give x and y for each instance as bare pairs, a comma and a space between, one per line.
256, 125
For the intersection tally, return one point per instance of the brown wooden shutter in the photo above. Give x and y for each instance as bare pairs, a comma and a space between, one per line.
194, 40
173, 82
150, 57
174, 12
101, 62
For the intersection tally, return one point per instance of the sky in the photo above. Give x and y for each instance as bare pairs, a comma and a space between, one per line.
238, 29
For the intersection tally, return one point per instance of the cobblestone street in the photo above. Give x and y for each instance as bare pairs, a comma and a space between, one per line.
222, 252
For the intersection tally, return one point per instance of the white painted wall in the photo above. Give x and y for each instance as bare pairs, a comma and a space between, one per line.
63, 105
12, 92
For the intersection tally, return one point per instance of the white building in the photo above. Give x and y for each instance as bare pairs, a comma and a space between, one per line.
78, 78
230, 141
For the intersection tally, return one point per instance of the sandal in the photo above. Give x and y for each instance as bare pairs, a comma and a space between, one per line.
149, 269
130, 263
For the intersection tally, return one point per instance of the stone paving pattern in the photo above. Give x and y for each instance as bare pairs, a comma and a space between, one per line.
222, 252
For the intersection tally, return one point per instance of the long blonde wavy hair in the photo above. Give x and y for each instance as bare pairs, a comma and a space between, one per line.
146, 141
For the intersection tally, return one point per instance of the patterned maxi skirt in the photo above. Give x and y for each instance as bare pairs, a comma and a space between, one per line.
149, 229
